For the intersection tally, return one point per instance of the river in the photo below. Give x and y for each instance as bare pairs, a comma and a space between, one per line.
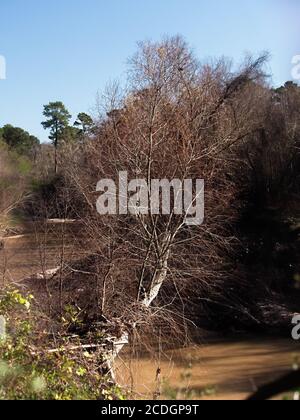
214, 369
223, 369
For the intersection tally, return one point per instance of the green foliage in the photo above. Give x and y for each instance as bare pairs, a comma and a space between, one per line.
70, 135
13, 298
84, 123
24, 166
16, 159
19, 140
16, 172
57, 120
29, 371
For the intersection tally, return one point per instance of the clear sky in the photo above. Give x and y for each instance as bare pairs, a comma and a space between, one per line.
69, 49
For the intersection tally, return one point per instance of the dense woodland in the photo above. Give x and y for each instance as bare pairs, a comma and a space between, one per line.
153, 276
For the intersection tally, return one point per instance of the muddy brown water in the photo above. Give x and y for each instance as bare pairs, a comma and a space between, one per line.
215, 369
39, 248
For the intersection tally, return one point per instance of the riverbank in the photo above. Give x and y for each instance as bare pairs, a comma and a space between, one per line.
217, 368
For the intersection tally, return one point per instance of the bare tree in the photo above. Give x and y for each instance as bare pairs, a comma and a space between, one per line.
271, 157
180, 120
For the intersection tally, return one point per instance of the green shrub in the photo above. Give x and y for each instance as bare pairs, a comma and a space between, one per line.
29, 371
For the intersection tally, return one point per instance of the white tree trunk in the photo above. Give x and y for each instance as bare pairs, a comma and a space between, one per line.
158, 280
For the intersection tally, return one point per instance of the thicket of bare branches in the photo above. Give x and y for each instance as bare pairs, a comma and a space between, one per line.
271, 159
178, 120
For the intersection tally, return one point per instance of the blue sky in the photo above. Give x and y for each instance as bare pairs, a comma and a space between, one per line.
70, 49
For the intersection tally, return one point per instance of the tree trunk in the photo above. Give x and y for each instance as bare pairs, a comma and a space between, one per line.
158, 280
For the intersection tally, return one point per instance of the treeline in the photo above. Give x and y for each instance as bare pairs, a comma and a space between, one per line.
29, 167
18, 150
61, 130
19, 140
183, 119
